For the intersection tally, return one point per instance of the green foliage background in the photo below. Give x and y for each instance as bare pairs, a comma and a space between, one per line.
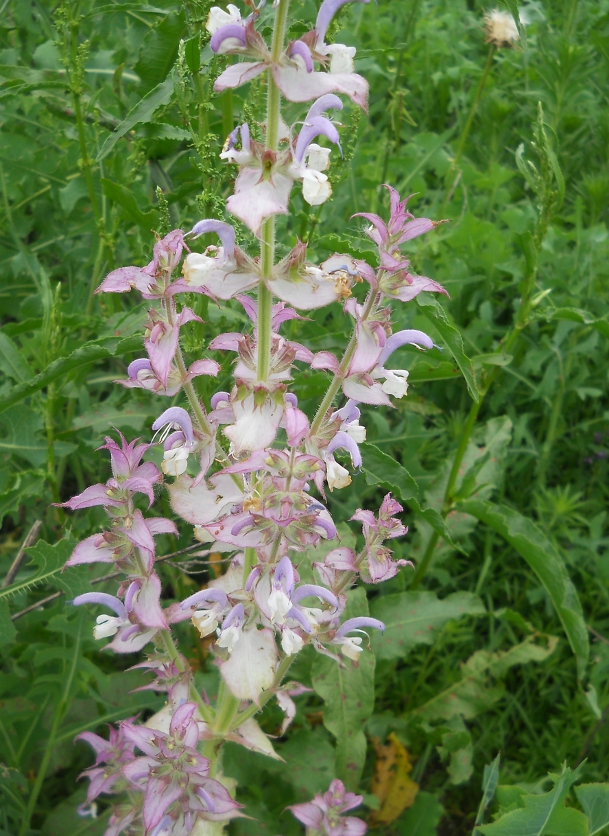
108, 131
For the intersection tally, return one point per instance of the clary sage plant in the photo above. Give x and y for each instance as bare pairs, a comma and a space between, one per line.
249, 470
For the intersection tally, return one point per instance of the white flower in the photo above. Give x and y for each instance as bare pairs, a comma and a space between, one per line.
501, 29
353, 429
229, 637
341, 58
318, 157
396, 382
338, 477
350, 646
279, 604
218, 17
206, 621
290, 642
108, 625
175, 461
316, 188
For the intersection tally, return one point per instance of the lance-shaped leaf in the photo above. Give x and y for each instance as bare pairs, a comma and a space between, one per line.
412, 618
543, 558
545, 813
348, 694
48, 563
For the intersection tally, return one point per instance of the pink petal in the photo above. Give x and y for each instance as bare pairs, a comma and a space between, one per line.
160, 794
419, 284
238, 74
94, 495
325, 360
92, 550
373, 394
297, 85
256, 199
160, 525
123, 279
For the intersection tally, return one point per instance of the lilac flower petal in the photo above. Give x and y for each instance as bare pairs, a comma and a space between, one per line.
160, 794
252, 577
132, 589
291, 399
219, 397
357, 624
206, 799
123, 279
299, 86
400, 338
91, 496
417, 285
138, 366
146, 604
324, 521
231, 30
312, 128
224, 231
311, 589
182, 717
175, 415
301, 49
381, 227
205, 595
236, 614
238, 74
102, 598
324, 103
163, 827
92, 550
285, 571
299, 616
344, 441
326, 12
160, 525
414, 228
309, 814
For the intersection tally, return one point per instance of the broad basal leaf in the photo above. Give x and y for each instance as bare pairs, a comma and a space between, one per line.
531, 543
594, 798
413, 618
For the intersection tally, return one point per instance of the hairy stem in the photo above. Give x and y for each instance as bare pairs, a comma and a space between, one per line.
267, 238
173, 653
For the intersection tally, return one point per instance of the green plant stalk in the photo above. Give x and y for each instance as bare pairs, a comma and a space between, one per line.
467, 127
249, 562
58, 715
227, 708
338, 378
172, 651
267, 240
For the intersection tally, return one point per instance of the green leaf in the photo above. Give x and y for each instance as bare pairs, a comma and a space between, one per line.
381, 469
579, 315
422, 818
22, 485
7, 628
125, 199
480, 685
11, 362
594, 798
458, 747
49, 562
78, 359
413, 618
543, 813
434, 312
159, 49
22, 426
490, 779
142, 112
530, 542
348, 694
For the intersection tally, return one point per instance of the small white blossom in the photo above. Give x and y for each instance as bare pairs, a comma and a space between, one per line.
341, 58
291, 642
218, 17
338, 476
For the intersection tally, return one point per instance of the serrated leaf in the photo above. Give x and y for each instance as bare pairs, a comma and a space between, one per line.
24, 484
543, 814
142, 112
348, 695
11, 362
434, 312
48, 562
381, 469
540, 554
594, 798
21, 426
413, 618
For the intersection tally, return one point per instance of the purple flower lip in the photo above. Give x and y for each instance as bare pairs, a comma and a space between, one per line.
400, 338
311, 129
205, 595
104, 599
358, 624
137, 366
344, 441
218, 398
299, 616
310, 589
237, 614
176, 415
225, 232
231, 30
207, 799
300, 48
329, 101
285, 572
326, 12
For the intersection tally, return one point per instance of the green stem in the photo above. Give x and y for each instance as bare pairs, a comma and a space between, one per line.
226, 709
468, 124
338, 378
267, 238
249, 561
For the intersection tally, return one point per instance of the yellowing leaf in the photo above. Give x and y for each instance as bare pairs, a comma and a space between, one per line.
392, 783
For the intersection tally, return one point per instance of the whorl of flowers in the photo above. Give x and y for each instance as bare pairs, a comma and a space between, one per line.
249, 469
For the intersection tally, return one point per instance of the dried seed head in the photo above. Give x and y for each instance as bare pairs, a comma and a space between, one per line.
501, 29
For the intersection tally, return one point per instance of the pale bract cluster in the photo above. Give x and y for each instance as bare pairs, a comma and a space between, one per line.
249, 470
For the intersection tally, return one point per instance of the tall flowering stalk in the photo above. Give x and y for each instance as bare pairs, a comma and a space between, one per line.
249, 470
